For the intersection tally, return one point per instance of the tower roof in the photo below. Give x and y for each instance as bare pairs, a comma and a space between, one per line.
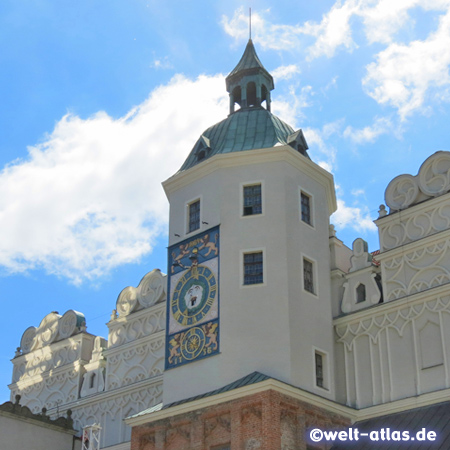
252, 126
249, 64
244, 130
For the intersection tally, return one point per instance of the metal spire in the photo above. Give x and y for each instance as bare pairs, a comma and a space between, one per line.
249, 23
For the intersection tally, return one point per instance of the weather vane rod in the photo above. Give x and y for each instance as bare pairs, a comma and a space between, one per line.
250, 23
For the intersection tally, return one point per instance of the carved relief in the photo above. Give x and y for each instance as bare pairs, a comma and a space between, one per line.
135, 363
432, 180
69, 323
396, 320
415, 226
401, 192
150, 291
111, 411
52, 328
431, 351
434, 175
28, 341
137, 327
417, 270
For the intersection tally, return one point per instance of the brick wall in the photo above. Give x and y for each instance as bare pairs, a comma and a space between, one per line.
266, 421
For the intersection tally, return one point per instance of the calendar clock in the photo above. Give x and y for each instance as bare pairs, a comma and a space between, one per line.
193, 303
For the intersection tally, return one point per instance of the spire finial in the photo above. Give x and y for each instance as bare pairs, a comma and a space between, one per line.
249, 23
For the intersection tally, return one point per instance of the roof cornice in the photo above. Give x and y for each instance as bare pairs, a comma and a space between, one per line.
250, 157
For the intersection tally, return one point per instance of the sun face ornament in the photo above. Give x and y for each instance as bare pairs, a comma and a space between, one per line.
193, 296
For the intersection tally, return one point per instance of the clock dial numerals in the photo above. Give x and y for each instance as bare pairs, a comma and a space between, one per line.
194, 295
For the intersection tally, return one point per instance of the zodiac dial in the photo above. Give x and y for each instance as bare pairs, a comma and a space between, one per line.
193, 343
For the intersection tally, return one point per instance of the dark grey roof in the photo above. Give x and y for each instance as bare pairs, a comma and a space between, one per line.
244, 130
434, 418
255, 377
248, 63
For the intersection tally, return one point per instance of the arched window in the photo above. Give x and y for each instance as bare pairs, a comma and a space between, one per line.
360, 293
264, 93
91, 381
251, 94
237, 95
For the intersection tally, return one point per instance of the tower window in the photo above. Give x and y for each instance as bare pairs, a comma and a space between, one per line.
201, 155
319, 362
360, 293
252, 200
194, 216
308, 276
305, 201
253, 268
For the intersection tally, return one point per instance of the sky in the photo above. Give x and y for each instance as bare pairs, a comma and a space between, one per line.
101, 101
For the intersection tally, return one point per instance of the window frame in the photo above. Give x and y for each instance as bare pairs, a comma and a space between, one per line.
325, 369
315, 280
304, 192
242, 267
188, 214
242, 186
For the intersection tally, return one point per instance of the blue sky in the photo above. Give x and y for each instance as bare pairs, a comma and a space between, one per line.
102, 101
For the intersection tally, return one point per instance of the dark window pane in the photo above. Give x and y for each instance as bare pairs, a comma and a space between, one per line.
360, 293
319, 370
252, 200
306, 208
308, 281
194, 216
253, 268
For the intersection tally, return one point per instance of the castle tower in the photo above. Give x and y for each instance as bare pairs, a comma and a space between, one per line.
249, 283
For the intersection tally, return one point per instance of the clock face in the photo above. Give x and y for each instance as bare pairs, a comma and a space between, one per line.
193, 325
193, 343
193, 296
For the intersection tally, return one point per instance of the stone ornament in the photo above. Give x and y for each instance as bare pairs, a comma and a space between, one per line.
127, 301
52, 328
69, 323
401, 192
151, 290
432, 180
28, 339
48, 328
434, 175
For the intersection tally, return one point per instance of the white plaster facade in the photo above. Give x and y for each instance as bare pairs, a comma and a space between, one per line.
61, 367
379, 325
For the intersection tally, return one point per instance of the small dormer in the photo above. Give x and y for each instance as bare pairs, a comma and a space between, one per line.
249, 83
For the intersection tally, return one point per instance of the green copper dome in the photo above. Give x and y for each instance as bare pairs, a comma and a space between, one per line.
244, 130
252, 126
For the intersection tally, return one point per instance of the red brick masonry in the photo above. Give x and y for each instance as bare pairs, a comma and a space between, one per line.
267, 420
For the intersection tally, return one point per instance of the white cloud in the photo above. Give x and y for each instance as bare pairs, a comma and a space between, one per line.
290, 107
324, 153
404, 74
268, 35
334, 30
285, 72
381, 125
89, 198
352, 217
